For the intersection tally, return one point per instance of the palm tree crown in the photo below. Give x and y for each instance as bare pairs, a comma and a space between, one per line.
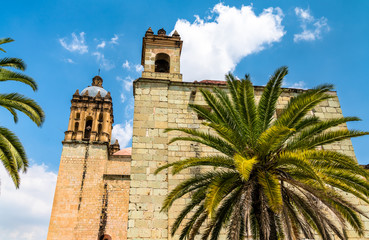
272, 179
12, 154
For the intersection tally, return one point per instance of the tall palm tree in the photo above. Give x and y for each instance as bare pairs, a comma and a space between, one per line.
271, 179
12, 154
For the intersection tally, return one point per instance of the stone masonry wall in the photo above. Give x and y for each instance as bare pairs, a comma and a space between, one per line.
91, 197
162, 104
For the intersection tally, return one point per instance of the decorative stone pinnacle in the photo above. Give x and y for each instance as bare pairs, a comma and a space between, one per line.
86, 93
97, 81
149, 32
175, 34
76, 93
162, 32
98, 95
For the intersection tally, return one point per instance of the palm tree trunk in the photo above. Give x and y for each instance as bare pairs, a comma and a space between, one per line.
273, 228
256, 207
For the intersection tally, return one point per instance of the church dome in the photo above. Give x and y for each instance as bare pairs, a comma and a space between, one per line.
93, 90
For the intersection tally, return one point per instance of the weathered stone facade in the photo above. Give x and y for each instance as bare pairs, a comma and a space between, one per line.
160, 104
105, 196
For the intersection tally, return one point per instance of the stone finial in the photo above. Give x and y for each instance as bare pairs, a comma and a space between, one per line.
108, 95
149, 32
97, 81
175, 34
86, 93
98, 95
76, 93
115, 147
162, 32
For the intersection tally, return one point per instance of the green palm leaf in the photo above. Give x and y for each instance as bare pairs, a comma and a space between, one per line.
268, 178
12, 154
268, 100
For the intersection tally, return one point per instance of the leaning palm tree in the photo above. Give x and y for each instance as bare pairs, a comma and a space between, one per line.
272, 179
12, 154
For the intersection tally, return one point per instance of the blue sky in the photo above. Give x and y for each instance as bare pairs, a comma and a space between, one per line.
64, 43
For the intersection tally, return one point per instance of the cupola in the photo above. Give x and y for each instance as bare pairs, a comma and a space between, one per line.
91, 115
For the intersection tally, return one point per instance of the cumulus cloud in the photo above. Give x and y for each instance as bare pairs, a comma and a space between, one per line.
104, 63
25, 212
312, 28
123, 132
77, 44
139, 68
214, 47
101, 45
114, 40
126, 65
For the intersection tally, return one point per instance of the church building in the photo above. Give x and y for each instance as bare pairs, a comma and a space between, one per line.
104, 193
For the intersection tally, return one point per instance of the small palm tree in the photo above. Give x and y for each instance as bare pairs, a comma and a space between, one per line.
12, 153
271, 179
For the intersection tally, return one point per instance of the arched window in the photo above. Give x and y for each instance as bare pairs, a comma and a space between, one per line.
78, 115
100, 117
105, 237
99, 127
88, 127
162, 63
76, 126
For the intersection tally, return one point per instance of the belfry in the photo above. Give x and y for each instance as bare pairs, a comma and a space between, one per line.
91, 115
91, 196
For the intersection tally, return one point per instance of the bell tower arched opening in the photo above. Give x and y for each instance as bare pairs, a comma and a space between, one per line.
162, 63
88, 128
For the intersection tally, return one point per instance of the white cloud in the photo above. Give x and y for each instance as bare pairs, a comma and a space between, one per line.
127, 82
212, 48
299, 85
126, 65
104, 63
128, 111
122, 97
68, 60
139, 68
114, 40
101, 45
122, 132
25, 212
76, 45
312, 28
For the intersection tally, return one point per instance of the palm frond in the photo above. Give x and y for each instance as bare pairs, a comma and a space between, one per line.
6, 75
244, 166
23, 104
268, 100
272, 190
16, 63
5, 40
219, 187
298, 107
12, 155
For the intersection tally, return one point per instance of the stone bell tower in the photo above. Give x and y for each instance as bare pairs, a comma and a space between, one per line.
91, 115
91, 195
161, 56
